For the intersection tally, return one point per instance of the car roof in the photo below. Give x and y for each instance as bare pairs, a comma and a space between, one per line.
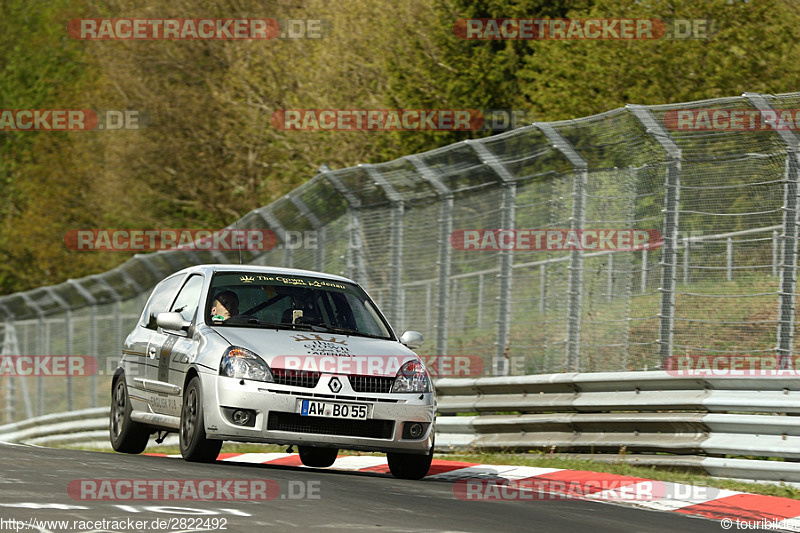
211, 268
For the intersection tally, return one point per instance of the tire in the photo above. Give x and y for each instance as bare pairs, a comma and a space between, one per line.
195, 447
409, 465
126, 435
317, 457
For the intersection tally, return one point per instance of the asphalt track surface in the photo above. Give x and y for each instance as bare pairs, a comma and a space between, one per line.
34, 481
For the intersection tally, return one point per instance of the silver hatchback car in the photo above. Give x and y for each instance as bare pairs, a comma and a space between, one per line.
272, 355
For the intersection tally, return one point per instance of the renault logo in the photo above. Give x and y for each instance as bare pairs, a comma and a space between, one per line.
335, 385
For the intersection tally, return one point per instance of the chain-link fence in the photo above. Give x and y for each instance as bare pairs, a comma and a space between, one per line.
723, 282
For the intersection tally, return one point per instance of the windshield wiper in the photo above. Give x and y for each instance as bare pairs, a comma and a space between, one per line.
319, 328
345, 331
253, 321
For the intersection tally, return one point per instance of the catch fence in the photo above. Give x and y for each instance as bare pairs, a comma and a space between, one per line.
723, 281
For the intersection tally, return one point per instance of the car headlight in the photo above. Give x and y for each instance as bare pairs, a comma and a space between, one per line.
412, 377
241, 363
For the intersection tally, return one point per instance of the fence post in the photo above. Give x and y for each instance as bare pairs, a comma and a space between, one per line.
670, 233
685, 260
69, 338
396, 239
10, 347
542, 287
729, 254
500, 365
610, 277
428, 303
356, 269
445, 229
319, 227
644, 271
86, 295
775, 253
480, 300
42, 340
788, 282
580, 170
272, 221
119, 334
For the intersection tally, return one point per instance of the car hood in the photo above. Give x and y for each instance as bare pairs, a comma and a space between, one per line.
307, 349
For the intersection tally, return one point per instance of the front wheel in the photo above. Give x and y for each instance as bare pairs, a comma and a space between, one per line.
127, 436
195, 447
317, 457
409, 465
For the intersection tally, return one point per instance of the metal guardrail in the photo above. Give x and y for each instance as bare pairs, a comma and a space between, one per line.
87, 428
621, 416
702, 420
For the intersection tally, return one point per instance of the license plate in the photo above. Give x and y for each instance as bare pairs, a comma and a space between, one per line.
351, 411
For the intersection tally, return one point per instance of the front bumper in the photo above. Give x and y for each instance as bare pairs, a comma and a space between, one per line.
286, 426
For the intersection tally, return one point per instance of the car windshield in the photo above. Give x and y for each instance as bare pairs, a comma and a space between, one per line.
281, 301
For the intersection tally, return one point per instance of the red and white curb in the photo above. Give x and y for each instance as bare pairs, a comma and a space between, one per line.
734, 510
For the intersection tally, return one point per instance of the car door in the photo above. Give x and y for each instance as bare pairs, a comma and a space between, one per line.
135, 358
173, 350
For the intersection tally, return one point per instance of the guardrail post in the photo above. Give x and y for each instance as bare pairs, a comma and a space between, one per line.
355, 269
788, 281
396, 239
445, 229
670, 230
501, 365
577, 220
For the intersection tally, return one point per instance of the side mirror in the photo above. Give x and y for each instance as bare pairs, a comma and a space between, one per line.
173, 321
412, 339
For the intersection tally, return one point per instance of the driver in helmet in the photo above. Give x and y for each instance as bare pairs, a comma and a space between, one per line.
226, 305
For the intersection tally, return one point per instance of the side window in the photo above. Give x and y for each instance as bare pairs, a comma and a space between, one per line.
159, 301
188, 299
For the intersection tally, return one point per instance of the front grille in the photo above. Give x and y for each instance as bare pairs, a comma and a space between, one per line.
371, 384
373, 429
296, 378
344, 397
